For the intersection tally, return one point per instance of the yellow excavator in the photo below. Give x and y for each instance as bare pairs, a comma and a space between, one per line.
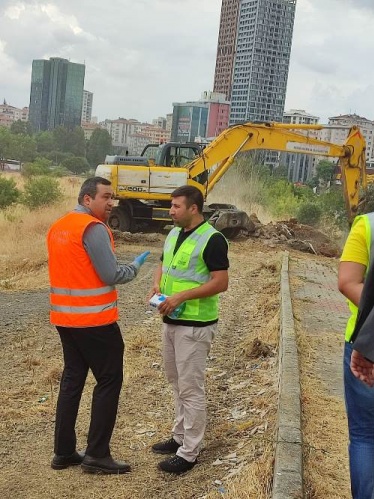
143, 184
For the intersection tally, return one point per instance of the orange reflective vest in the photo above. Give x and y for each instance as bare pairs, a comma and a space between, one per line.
78, 297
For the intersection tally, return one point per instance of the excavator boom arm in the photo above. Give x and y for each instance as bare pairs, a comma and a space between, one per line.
220, 154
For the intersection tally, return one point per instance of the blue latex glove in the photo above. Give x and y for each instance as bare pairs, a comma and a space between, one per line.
139, 260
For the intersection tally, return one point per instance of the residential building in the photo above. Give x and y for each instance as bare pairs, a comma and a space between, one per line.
155, 134
254, 46
9, 114
88, 129
226, 47
338, 128
263, 47
205, 118
137, 143
56, 93
87, 106
300, 167
159, 122
169, 121
120, 131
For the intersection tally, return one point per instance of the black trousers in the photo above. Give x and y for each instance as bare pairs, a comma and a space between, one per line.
101, 350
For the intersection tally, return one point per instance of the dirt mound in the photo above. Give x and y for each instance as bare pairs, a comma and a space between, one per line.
295, 235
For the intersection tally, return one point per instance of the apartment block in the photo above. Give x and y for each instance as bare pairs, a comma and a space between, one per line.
300, 167
87, 106
9, 114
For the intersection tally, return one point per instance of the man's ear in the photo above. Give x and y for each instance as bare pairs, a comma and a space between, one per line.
194, 209
86, 199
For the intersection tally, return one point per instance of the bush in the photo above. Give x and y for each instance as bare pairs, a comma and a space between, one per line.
41, 191
76, 165
309, 214
9, 193
41, 166
280, 198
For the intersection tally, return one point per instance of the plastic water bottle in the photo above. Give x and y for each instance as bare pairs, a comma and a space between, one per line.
177, 311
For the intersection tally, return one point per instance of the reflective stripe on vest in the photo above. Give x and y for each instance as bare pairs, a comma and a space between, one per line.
187, 270
369, 235
78, 296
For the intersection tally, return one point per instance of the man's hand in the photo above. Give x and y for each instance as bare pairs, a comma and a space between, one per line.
139, 260
170, 304
362, 368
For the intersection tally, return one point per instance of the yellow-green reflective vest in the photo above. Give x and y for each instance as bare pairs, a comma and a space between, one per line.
369, 235
187, 270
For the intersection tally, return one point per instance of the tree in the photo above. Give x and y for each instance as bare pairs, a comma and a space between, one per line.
76, 165
99, 145
5, 141
71, 141
22, 148
281, 172
41, 166
309, 213
8, 192
41, 191
45, 142
21, 128
325, 171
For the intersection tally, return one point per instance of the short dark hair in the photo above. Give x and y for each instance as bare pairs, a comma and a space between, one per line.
192, 194
89, 187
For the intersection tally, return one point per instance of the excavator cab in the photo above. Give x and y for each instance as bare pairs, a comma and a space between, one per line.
172, 154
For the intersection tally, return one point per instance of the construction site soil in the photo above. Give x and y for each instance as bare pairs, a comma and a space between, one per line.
242, 380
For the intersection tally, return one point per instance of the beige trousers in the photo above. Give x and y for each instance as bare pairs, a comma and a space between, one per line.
185, 350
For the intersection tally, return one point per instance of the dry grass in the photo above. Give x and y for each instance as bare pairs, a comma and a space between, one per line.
23, 254
241, 390
324, 431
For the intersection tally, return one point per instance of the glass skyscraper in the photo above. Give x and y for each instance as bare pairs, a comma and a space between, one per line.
56, 93
260, 50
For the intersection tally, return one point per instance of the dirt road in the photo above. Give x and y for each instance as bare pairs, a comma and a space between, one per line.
241, 386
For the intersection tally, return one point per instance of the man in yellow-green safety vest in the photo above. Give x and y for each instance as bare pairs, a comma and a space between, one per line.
192, 272
355, 271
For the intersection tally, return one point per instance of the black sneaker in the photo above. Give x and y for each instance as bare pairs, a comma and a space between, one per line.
176, 465
167, 447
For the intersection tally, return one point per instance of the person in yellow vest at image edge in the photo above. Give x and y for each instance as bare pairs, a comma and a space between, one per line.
83, 272
355, 269
192, 272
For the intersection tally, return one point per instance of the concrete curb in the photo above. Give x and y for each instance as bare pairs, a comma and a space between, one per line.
288, 465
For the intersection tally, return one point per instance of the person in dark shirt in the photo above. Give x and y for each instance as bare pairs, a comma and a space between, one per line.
192, 272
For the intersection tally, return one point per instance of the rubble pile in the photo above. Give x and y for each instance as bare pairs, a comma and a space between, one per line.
295, 235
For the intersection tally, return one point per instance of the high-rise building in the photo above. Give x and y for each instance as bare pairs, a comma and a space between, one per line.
226, 47
87, 106
56, 93
257, 48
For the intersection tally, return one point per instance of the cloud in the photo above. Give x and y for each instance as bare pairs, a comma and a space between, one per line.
330, 70
143, 55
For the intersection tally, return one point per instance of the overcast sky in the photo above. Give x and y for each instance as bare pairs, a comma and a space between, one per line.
143, 55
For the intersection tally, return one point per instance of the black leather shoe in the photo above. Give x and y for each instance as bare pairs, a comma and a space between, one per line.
104, 466
62, 462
